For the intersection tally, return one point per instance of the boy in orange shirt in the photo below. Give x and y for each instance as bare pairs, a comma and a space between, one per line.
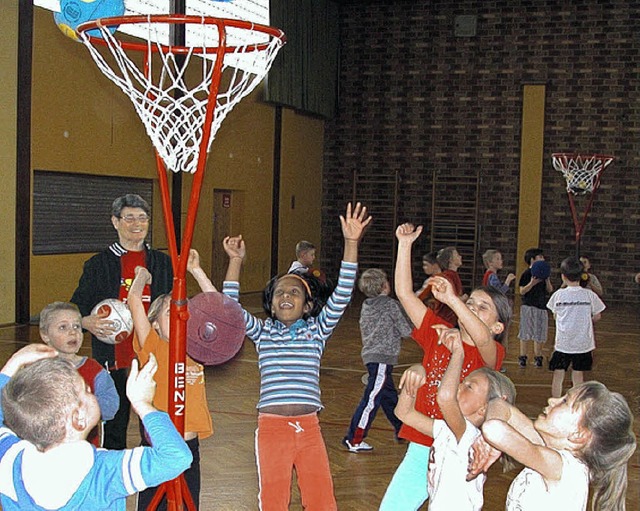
152, 337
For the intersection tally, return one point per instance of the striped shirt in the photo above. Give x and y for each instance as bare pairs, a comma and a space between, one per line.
289, 357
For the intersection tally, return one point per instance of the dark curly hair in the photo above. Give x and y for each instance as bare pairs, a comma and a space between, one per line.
320, 293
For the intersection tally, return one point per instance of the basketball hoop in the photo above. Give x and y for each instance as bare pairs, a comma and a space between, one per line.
182, 109
233, 56
582, 173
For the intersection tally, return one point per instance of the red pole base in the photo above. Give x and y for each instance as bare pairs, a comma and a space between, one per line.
177, 493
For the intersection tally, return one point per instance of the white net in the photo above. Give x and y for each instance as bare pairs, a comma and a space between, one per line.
581, 171
170, 88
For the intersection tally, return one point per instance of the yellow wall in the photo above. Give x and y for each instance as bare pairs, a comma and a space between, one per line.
84, 123
8, 79
301, 185
531, 154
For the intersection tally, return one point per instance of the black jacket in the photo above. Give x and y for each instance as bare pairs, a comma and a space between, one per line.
100, 279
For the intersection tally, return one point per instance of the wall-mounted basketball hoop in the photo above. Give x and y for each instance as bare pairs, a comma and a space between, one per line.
582, 173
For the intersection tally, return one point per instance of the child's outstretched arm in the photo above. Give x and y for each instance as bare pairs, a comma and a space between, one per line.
412, 379
525, 289
235, 249
168, 456
479, 332
141, 387
141, 324
510, 431
27, 355
548, 285
353, 224
406, 412
193, 267
507, 418
448, 391
413, 306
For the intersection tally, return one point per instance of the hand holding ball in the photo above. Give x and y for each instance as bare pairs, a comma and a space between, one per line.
119, 315
541, 270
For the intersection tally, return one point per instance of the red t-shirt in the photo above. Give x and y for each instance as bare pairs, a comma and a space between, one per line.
124, 351
440, 308
435, 361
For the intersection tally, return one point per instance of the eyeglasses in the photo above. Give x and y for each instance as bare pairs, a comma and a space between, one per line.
143, 219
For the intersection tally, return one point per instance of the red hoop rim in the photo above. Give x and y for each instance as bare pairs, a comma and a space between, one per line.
179, 19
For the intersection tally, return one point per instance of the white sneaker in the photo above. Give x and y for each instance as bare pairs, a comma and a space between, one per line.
362, 446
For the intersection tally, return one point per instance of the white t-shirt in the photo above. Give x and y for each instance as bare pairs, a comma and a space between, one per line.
297, 267
530, 492
448, 463
574, 308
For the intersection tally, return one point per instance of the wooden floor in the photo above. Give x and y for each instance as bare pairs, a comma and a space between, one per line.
229, 478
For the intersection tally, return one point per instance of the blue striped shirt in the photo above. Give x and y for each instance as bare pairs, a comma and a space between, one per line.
289, 357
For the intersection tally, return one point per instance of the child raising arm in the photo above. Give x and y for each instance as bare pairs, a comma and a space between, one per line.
584, 436
48, 412
483, 323
152, 339
463, 407
290, 344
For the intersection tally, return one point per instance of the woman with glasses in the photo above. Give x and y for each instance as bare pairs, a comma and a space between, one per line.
109, 274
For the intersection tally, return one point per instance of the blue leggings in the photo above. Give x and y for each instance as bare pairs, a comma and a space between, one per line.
408, 488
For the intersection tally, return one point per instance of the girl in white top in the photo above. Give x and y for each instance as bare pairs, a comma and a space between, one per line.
584, 437
463, 406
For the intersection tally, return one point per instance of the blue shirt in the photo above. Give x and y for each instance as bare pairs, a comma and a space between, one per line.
76, 475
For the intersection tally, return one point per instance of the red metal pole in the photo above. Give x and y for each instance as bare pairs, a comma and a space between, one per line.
177, 491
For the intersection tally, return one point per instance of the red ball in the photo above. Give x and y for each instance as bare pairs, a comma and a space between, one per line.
215, 329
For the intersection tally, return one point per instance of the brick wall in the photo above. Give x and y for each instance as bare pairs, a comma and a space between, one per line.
414, 98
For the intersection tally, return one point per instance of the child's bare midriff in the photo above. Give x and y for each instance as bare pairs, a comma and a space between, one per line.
289, 410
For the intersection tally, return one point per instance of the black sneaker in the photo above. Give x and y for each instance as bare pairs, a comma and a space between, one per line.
522, 361
537, 361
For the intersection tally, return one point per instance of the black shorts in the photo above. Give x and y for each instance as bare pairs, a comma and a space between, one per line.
578, 361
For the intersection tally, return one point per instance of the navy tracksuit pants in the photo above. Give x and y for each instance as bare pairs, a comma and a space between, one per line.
379, 392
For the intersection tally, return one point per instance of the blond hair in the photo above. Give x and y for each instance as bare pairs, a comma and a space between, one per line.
488, 256
39, 399
372, 282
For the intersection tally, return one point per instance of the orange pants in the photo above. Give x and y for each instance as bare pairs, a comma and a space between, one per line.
287, 443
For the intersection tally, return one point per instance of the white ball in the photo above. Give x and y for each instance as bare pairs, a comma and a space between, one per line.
119, 314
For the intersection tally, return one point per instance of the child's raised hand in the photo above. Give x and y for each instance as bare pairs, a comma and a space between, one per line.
408, 233
141, 387
442, 289
141, 279
193, 261
412, 379
354, 222
450, 338
234, 246
27, 355
481, 457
